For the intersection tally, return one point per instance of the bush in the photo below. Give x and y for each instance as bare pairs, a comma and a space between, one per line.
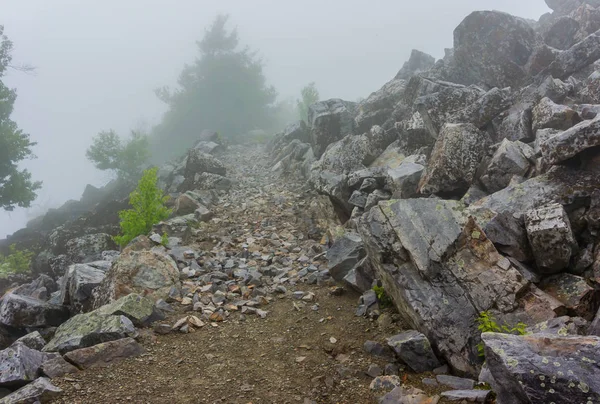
17, 262
382, 297
487, 323
148, 203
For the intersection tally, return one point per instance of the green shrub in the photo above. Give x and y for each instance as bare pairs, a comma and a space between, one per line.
17, 262
382, 297
487, 323
148, 208
164, 240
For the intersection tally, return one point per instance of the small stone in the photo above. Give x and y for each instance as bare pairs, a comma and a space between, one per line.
333, 340
457, 383
374, 370
162, 329
442, 370
300, 359
336, 291
195, 321
430, 382
298, 295
385, 383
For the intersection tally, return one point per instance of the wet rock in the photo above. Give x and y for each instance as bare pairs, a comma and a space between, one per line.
573, 291
57, 367
547, 114
40, 391
543, 368
454, 159
414, 349
407, 395
32, 340
85, 330
22, 311
417, 63
511, 158
77, 286
140, 310
571, 142
104, 354
19, 365
552, 241
492, 48
143, 272
330, 121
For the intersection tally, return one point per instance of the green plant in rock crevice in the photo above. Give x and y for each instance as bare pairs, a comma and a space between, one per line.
382, 296
487, 323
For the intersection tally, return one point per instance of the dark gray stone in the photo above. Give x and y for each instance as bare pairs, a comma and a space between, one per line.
40, 391
22, 311
32, 340
379, 350
57, 367
457, 383
19, 365
330, 121
414, 349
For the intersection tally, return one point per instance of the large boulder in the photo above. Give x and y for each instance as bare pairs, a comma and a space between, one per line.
89, 248
454, 159
347, 262
379, 106
143, 272
77, 286
576, 58
571, 142
23, 312
417, 63
543, 368
562, 34
105, 354
330, 121
414, 350
511, 158
20, 365
441, 271
85, 330
200, 162
140, 310
491, 48
40, 391
549, 115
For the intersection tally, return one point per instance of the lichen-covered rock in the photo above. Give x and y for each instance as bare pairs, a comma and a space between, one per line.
208, 181
40, 391
140, 310
562, 34
379, 106
454, 159
414, 350
346, 262
19, 365
551, 238
77, 286
571, 142
517, 125
403, 181
330, 121
105, 354
185, 205
492, 48
561, 326
543, 368
511, 158
89, 248
200, 162
574, 59
33, 340
85, 330
57, 367
23, 312
579, 298
547, 114
143, 272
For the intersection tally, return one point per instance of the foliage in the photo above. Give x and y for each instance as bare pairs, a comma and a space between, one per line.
16, 186
487, 323
224, 90
16, 262
164, 240
310, 95
109, 152
148, 208
382, 297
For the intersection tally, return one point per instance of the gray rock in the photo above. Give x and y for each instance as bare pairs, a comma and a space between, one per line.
104, 354
208, 181
552, 241
470, 396
561, 326
492, 48
417, 63
203, 214
19, 365
140, 310
199, 162
526, 368
208, 147
32, 340
517, 125
571, 142
378, 350
344, 255
330, 121
391, 369
57, 367
578, 56
358, 199
414, 349
574, 292
454, 159
407, 395
457, 383
89, 248
22, 311
77, 286
562, 34
511, 158
85, 330
384, 383
547, 114
40, 391
375, 197
379, 106
403, 181
185, 205
374, 370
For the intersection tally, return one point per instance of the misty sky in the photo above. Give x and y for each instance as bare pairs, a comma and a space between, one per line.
98, 62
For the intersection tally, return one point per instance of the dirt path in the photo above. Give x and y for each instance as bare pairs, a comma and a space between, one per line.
302, 352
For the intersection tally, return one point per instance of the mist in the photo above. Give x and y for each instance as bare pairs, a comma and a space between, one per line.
98, 62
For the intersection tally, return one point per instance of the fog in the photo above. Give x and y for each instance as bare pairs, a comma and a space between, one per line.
98, 62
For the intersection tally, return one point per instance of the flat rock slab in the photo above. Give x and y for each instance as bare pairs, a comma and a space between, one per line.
408, 395
457, 383
470, 396
39, 391
105, 354
57, 367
